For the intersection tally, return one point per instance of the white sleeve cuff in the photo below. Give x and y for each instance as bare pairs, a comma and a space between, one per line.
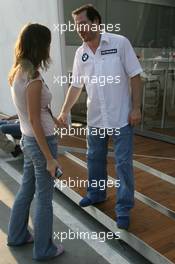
136, 72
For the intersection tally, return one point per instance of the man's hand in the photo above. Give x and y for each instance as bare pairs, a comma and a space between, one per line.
135, 117
71, 98
62, 120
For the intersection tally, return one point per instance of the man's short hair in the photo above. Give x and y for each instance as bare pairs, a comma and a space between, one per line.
91, 12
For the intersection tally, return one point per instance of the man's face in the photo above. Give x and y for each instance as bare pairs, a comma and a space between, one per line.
84, 25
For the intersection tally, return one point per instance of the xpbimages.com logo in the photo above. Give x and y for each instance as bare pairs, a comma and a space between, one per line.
80, 183
100, 236
86, 131
101, 80
71, 27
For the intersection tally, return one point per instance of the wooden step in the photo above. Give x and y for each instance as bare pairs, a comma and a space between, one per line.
156, 230
162, 168
156, 154
152, 231
157, 189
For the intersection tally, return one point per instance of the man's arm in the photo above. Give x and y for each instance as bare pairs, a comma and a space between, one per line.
71, 98
136, 93
13, 117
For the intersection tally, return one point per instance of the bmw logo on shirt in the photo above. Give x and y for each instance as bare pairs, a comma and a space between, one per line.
85, 57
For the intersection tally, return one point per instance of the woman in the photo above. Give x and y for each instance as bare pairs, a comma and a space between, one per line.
31, 97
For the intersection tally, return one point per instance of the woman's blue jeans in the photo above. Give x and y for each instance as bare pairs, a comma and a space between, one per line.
36, 180
10, 127
97, 167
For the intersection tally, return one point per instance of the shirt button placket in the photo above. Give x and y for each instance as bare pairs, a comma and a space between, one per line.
98, 66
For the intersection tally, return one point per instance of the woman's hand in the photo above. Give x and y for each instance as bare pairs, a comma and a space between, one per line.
56, 121
52, 165
59, 165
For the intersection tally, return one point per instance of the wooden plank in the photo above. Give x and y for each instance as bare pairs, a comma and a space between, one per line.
155, 229
142, 146
147, 184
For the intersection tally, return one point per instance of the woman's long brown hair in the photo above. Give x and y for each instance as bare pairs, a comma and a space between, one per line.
31, 50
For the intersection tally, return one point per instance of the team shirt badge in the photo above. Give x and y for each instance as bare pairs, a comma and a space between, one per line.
106, 52
85, 57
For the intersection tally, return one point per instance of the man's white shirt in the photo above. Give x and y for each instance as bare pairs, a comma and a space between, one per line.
106, 75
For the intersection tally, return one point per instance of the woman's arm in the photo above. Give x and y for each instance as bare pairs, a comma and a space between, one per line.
34, 111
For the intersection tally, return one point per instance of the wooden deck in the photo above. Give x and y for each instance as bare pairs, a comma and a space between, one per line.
152, 229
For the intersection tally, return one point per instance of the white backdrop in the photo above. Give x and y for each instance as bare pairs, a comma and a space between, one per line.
13, 15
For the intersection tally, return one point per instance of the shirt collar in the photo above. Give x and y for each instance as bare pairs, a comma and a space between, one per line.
104, 38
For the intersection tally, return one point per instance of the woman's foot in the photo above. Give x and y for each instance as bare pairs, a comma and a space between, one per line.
29, 241
60, 250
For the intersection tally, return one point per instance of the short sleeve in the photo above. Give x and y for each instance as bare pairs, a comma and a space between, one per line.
77, 76
129, 59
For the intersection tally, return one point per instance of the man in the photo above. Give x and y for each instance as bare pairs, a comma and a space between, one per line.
11, 127
112, 106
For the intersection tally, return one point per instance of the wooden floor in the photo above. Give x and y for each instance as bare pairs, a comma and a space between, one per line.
154, 153
152, 229
153, 217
